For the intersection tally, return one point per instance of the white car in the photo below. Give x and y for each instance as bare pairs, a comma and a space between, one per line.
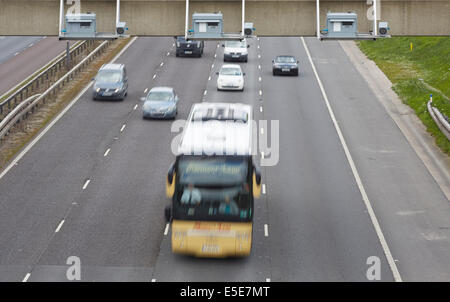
230, 77
235, 51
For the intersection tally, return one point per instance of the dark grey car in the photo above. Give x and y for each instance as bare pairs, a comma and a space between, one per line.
111, 82
160, 102
285, 65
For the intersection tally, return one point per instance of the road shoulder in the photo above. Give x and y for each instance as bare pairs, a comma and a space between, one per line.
437, 163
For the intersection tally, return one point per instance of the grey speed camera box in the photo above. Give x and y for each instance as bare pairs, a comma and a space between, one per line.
80, 25
342, 25
207, 25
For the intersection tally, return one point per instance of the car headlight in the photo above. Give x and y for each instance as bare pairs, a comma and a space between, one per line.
117, 90
97, 89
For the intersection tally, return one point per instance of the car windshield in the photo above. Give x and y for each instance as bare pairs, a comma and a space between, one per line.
235, 44
109, 76
159, 96
285, 60
230, 71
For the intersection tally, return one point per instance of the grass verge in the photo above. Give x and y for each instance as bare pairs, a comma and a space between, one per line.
417, 67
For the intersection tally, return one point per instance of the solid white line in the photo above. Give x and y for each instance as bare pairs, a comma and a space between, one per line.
107, 152
264, 189
26, 277
365, 198
59, 226
166, 230
56, 119
154, 76
262, 154
262, 130
266, 230
135, 107
86, 184
123, 127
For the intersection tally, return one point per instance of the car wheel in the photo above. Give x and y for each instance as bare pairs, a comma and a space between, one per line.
274, 73
177, 55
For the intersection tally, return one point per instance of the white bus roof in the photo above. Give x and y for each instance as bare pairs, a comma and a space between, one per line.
218, 129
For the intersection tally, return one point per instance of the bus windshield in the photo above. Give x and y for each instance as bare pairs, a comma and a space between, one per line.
213, 189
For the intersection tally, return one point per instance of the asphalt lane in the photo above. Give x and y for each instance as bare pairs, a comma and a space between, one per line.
412, 209
313, 198
12, 45
310, 223
47, 182
119, 223
20, 57
170, 267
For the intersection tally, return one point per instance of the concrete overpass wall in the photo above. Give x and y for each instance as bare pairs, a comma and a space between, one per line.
270, 17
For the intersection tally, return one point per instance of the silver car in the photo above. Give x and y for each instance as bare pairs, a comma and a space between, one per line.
160, 102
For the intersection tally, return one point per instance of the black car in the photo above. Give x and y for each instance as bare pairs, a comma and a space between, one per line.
285, 65
189, 47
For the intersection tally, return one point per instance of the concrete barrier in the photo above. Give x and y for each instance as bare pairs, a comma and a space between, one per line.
270, 17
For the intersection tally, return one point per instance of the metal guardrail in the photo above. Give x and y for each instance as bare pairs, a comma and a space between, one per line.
42, 78
27, 106
439, 119
15, 116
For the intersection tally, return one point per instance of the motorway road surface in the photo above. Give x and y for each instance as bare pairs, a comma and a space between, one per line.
93, 185
21, 56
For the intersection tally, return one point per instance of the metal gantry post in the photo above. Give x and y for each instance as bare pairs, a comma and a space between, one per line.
243, 18
117, 13
318, 19
61, 12
186, 20
375, 31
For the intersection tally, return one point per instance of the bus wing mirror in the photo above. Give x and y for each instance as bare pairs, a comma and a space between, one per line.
257, 175
168, 213
256, 182
170, 181
171, 173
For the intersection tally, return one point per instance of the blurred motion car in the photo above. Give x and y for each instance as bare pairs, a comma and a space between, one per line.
230, 77
111, 82
285, 64
235, 51
189, 47
160, 102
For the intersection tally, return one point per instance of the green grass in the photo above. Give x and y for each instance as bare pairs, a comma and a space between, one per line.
416, 74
